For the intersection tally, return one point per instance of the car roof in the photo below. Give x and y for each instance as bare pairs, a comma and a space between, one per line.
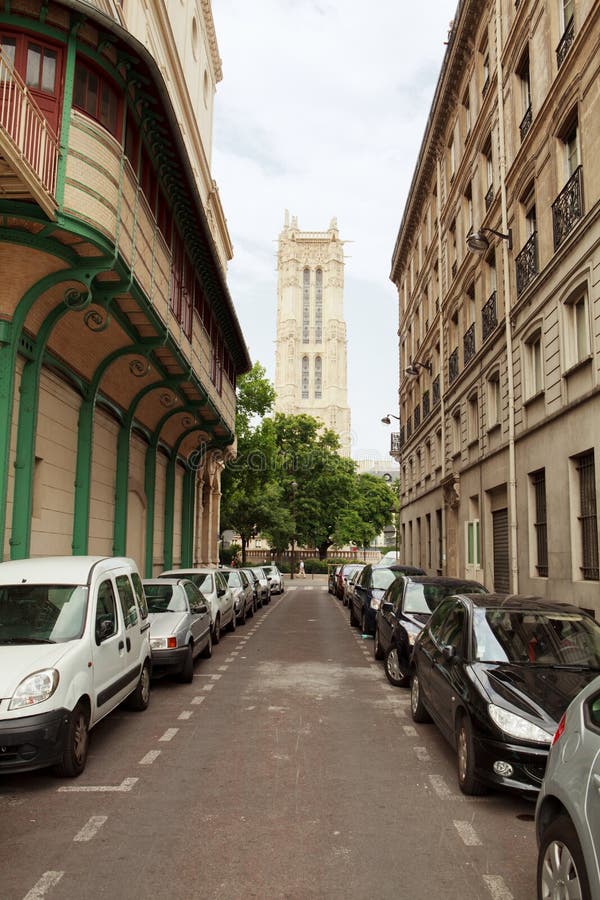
59, 569
444, 580
166, 581
181, 573
517, 602
405, 570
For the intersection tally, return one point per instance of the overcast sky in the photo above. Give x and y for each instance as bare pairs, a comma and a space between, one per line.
321, 111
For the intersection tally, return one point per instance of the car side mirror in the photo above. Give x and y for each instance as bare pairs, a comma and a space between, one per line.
104, 629
449, 652
387, 606
220, 592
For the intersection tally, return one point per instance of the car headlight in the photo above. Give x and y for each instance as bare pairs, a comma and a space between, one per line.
375, 603
516, 726
36, 688
163, 643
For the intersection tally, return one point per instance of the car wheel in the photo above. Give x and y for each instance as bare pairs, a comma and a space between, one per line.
465, 749
217, 630
75, 743
418, 711
561, 867
396, 671
140, 698
207, 652
377, 649
187, 670
353, 619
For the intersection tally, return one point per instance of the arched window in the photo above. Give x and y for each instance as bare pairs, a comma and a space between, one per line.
305, 309
318, 377
305, 377
319, 307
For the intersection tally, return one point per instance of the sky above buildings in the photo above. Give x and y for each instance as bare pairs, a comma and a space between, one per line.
321, 111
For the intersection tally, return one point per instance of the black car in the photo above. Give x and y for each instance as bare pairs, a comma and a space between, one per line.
405, 608
369, 588
496, 672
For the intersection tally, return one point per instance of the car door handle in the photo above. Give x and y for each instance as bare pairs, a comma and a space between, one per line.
128, 642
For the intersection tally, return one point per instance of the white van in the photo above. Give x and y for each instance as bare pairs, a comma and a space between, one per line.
74, 643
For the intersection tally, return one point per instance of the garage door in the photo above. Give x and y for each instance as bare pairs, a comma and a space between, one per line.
501, 563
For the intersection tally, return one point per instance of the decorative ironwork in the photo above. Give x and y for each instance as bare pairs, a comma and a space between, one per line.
489, 318
469, 343
167, 400
396, 442
453, 365
139, 367
97, 320
417, 416
454, 269
188, 421
489, 197
526, 122
567, 209
526, 263
426, 404
76, 300
408, 427
436, 390
485, 87
564, 45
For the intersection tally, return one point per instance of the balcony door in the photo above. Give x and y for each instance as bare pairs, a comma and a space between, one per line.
40, 66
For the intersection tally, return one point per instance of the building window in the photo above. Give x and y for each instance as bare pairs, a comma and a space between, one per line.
96, 96
473, 419
305, 377
318, 377
438, 449
538, 484
494, 407
467, 113
586, 471
525, 85
534, 364
305, 307
318, 306
489, 175
567, 209
473, 544
485, 70
455, 426
41, 69
576, 330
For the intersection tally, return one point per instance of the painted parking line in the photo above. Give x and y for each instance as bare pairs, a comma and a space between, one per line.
90, 829
422, 755
230, 659
41, 888
125, 786
169, 734
440, 787
468, 834
185, 714
497, 887
223, 668
208, 687
149, 758
409, 730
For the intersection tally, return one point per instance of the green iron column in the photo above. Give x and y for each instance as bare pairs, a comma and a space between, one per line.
187, 516
150, 489
169, 511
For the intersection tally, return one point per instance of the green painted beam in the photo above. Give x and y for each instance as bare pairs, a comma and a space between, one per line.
187, 517
150, 490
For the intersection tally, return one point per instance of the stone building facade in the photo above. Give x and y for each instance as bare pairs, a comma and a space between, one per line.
119, 341
497, 265
311, 374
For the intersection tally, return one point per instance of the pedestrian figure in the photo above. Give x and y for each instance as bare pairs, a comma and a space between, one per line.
301, 571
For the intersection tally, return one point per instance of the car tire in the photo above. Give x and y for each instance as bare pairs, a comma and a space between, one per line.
377, 648
187, 670
466, 759
207, 652
396, 673
140, 698
417, 709
560, 857
353, 619
217, 630
75, 743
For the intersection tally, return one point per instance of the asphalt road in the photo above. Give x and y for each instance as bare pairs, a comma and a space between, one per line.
289, 769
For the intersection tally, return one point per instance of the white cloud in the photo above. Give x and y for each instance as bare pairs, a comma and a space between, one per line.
321, 111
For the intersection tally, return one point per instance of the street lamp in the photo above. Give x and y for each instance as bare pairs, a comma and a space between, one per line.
387, 419
413, 368
294, 486
477, 242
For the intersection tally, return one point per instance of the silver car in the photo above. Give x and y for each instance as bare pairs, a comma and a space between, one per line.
243, 593
567, 813
179, 625
275, 579
263, 587
213, 586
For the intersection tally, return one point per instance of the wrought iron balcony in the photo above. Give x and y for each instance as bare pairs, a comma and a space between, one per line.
436, 390
454, 269
426, 404
489, 317
526, 263
564, 45
567, 209
417, 415
486, 85
526, 122
408, 427
453, 365
469, 343
489, 197
396, 441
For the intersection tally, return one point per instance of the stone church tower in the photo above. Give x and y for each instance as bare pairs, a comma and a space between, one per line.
310, 354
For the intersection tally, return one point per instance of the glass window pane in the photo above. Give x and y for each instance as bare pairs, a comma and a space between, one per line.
8, 47
108, 109
49, 71
34, 60
91, 99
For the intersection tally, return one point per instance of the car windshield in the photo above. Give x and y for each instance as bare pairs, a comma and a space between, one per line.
162, 599
538, 637
203, 581
42, 613
382, 578
259, 574
424, 598
232, 578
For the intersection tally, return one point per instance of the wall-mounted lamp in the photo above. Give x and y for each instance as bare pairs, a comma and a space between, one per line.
387, 419
478, 243
413, 368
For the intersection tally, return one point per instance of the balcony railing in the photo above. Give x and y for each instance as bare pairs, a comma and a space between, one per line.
489, 197
489, 317
417, 416
408, 427
454, 266
426, 404
469, 343
526, 263
526, 122
567, 209
31, 143
435, 390
564, 45
453, 365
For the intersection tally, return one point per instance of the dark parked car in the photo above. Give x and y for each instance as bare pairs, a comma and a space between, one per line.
332, 577
369, 588
345, 573
496, 672
349, 586
405, 608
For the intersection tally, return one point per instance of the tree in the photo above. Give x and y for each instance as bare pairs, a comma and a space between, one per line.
372, 508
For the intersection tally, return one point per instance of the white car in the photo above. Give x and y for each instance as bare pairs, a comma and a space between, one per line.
213, 587
179, 625
74, 643
275, 579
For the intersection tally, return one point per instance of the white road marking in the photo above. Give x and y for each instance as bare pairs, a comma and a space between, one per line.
198, 700
440, 787
208, 687
277, 708
230, 659
409, 730
468, 834
149, 758
124, 787
215, 677
169, 734
223, 668
249, 708
186, 714
91, 828
497, 887
422, 755
233, 653
47, 881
